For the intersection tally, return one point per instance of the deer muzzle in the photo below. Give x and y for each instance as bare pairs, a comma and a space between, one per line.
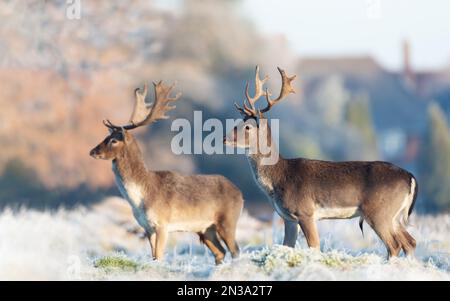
94, 153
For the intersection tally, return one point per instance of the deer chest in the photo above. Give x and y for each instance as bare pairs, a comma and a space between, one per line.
133, 193
275, 197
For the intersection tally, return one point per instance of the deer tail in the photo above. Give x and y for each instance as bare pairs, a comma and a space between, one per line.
361, 223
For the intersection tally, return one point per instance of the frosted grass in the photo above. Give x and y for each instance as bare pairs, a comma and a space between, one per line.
104, 243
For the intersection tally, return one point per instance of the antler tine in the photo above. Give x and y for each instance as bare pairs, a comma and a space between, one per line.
244, 111
144, 113
140, 110
259, 91
110, 125
160, 105
105, 123
239, 108
286, 89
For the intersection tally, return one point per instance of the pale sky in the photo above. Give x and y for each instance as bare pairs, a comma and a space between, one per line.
357, 27
347, 27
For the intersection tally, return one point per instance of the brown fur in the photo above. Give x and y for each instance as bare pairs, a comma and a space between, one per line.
299, 188
303, 190
170, 198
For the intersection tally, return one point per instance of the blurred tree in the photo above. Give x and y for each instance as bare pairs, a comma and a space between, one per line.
329, 101
359, 119
199, 35
20, 186
18, 182
434, 161
89, 68
297, 144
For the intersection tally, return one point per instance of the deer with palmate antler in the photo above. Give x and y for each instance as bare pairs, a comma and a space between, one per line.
303, 191
165, 201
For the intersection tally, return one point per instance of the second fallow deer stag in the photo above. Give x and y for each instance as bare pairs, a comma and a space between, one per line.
165, 201
303, 191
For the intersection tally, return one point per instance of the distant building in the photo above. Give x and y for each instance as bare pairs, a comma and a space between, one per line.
427, 84
397, 100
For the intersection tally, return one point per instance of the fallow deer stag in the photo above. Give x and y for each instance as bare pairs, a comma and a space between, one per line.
303, 191
165, 201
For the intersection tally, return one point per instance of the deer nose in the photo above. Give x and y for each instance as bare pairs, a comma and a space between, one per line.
93, 152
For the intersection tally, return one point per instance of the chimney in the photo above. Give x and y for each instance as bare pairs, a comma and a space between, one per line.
408, 74
406, 58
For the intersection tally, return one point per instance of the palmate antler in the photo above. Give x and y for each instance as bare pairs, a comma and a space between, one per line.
143, 113
286, 89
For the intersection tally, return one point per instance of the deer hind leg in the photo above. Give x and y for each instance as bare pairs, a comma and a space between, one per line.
387, 235
210, 239
290, 233
227, 232
310, 231
393, 244
408, 243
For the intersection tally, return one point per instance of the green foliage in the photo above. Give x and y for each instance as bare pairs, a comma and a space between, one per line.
299, 145
435, 160
336, 260
270, 258
280, 257
359, 118
116, 262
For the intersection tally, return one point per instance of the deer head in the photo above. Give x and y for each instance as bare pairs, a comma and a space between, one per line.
143, 114
254, 122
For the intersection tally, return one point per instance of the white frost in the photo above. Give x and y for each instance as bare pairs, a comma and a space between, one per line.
66, 244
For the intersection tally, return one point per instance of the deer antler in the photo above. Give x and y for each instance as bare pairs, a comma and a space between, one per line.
140, 109
259, 91
251, 111
286, 89
144, 114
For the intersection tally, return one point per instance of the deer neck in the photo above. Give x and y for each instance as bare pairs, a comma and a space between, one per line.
271, 178
131, 174
268, 176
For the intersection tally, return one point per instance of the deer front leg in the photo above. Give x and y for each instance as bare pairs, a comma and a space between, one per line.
151, 236
290, 233
309, 228
161, 240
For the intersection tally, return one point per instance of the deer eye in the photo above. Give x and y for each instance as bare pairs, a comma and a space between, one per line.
113, 141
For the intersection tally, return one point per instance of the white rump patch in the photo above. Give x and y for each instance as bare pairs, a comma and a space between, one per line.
401, 217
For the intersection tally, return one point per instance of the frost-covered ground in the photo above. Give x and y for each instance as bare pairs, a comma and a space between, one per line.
102, 243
